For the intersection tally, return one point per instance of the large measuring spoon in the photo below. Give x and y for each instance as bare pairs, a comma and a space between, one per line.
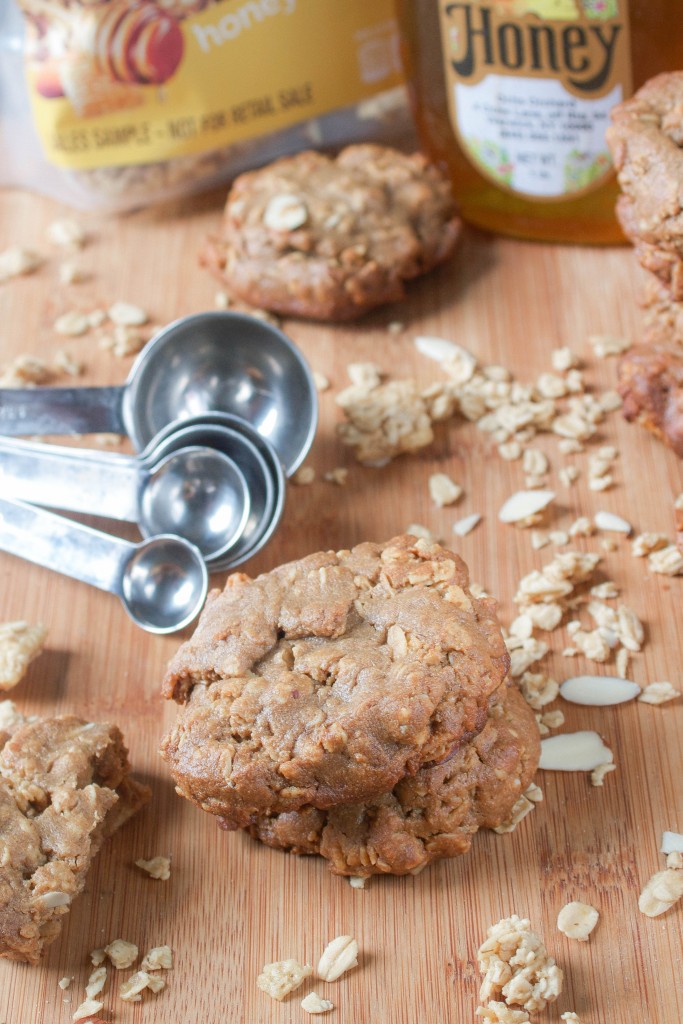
210, 362
162, 582
196, 492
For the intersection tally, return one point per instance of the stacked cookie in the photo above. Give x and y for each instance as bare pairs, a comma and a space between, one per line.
646, 138
353, 704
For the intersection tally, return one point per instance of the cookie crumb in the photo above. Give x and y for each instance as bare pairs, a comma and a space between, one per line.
357, 882
444, 491
658, 693
20, 643
282, 977
303, 476
312, 1003
516, 966
338, 476
321, 382
598, 774
65, 982
157, 867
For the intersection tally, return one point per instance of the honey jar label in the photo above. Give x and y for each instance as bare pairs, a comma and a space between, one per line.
138, 81
530, 85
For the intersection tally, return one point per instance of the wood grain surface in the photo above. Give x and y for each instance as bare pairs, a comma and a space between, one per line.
232, 905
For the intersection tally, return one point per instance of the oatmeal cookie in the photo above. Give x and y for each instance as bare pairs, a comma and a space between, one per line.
645, 138
651, 385
328, 679
331, 237
64, 788
427, 816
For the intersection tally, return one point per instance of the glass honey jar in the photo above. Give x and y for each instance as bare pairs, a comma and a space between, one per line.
513, 98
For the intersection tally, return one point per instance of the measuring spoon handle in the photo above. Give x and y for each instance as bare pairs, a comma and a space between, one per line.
101, 483
56, 543
61, 410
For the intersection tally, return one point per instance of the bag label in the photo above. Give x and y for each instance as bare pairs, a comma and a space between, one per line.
530, 85
137, 81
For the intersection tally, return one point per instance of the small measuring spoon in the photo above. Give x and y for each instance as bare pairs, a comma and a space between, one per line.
196, 492
162, 582
209, 362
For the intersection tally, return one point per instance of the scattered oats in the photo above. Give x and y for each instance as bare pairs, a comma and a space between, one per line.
598, 464
516, 966
549, 385
646, 543
496, 1012
87, 1009
131, 990
423, 532
592, 644
322, 383
533, 482
574, 752
304, 476
608, 345
522, 806
338, 476
339, 956
159, 958
312, 1003
608, 544
72, 324
668, 561
598, 774
672, 842
97, 317
538, 689
124, 341
65, 982
522, 627
121, 953
221, 300
455, 360
125, 314
600, 483
443, 490
72, 273
563, 359
465, 525
20, 643
364, 375
568, 475
524, 654
96, 982
535, 462
97, 957
25, 371
577, 920
388, 420
280, 978
570, 1017
629, 629
573, 426
524, 504
610, 401
157, 867
500, 374
16, 262
582, 527
395, 327
559, 538
553, 719
65, 362
285, 213
68, 234
659, 693
569, 446
605, 591
539, 539
661, 892
510, 450
357, 882
622, 662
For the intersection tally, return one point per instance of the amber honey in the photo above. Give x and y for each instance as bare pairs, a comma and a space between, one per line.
512, 97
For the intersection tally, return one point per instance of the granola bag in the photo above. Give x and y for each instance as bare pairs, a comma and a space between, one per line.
114, 104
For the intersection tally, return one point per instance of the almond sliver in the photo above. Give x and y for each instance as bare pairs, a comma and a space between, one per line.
464, 526
574, 752
523, 504
440, 350
672, 842
612, 522
598, 691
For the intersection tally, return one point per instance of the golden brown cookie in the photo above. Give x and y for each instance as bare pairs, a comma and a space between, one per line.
328, 679
331, 237
427, 816
64, 788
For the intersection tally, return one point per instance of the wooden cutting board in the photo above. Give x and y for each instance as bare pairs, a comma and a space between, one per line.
232, 905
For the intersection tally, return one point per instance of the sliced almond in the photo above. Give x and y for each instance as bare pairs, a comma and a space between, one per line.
574, 752
610, 521
464, 526
672, 842
285, 212
598, 691
524, 504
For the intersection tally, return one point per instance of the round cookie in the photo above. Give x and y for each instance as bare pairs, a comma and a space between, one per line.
328, 679
427, 816
331, 237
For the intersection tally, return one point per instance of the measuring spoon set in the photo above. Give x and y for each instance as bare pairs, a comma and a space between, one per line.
220, 407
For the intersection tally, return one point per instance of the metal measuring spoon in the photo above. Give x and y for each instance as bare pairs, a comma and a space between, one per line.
210, 362
196, 492
162, 582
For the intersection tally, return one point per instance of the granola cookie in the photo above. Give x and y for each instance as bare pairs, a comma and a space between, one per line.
646, 137
328, 679
64, 788
427, 816
651, 385
331, 237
